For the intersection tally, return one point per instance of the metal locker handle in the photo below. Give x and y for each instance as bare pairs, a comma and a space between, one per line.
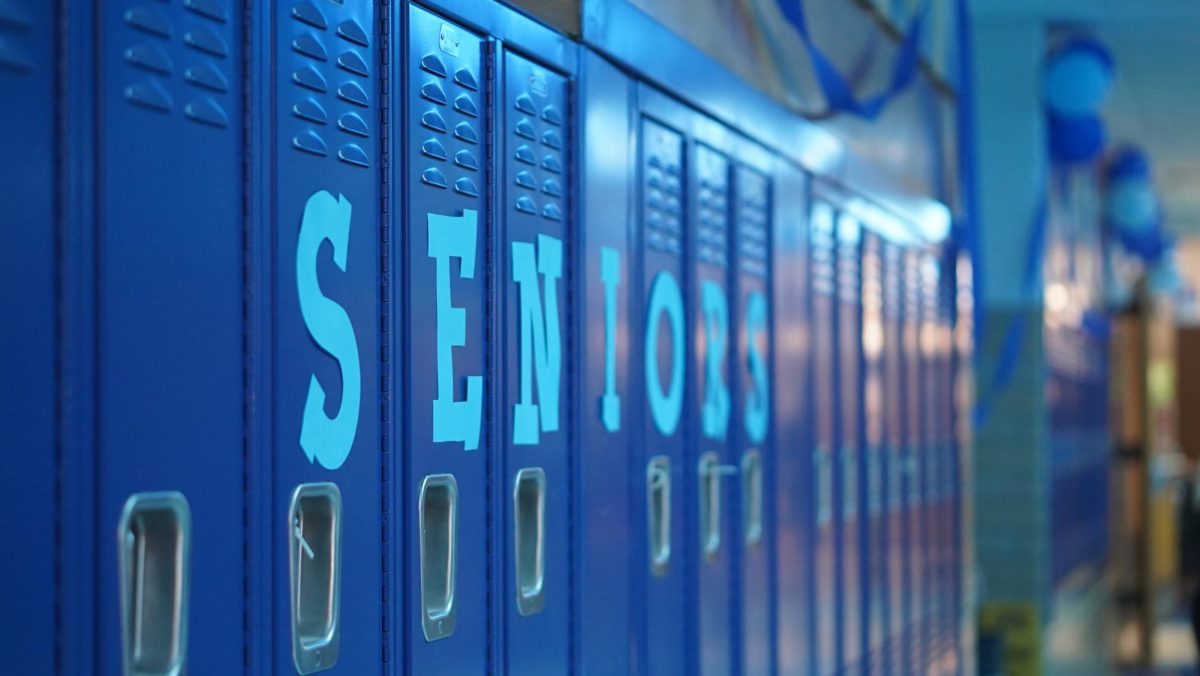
529, 508
438, 513
154, 545
711, 470
752, 497
314, 562
658, 502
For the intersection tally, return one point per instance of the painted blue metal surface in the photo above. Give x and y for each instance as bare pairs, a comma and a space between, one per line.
874, 424
29, 335
324, 373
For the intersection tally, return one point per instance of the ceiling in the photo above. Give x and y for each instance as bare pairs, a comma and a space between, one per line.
1156, 98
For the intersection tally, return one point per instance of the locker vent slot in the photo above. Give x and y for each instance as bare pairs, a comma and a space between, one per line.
753, 221
713, 208
662, 188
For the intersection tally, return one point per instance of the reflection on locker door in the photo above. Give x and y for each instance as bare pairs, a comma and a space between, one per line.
446, 452
753, 421
874, 425
711, 462
852, 564
789, 312
535, 243
662, 348
827, 609
913, 462
169, 327
28, 337
325, 518
897, 584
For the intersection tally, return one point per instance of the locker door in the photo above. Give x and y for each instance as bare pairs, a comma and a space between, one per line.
873, 405
447, 359
753, 422
827, 607
662, 471
931, 512
28, 336
913, 462
535, 340
789, 313
169, 399
897, 532
711, 461
326, 341
609, 391
851, 466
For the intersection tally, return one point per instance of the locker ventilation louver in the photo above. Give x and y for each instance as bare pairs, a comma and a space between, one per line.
752, 222
713, 208
539, 155
450, 94
200, 57
663, 189
336, 53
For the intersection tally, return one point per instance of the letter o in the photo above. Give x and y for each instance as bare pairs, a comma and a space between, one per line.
665, 407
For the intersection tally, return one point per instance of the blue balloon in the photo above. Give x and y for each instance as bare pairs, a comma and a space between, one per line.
1128, 162
1076, 139
1149, 245
1130, 205
1078, 78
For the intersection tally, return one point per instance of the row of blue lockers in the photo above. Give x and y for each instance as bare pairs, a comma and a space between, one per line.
401, 338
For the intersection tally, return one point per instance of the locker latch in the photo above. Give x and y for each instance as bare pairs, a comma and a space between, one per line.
314, 556
752, 497
658, 504
710, 473
529, 507
438, 512
154, 545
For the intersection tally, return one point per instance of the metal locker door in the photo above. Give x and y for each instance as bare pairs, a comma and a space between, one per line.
169, 402
897, 532
851, 468
447, 358
753, 422
29, 270
325, 520
534, 340
711, 466
791, 328
913, 462
827, 607
873, 423
609, 391
928, 444
662, 342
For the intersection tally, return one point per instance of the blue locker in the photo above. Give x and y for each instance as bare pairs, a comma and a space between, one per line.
793, 476
894, 412
448, 357
29, 336
827, 607
535, 241
753, 422
931, 416
609, 390
913, 463
661, 586
875, 448
323, 360
169, 398
850, 471
711, 463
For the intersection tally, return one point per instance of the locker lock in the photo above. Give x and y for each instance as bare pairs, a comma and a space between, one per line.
658, 504
710, 473
314, 556
154, 545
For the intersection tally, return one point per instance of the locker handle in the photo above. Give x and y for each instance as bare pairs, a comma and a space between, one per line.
438, 513
154, 544
658, 502
710, 471
752, 497
314, 563
529, 508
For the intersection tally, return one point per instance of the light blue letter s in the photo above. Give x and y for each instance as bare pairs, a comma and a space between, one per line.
758, 403
326, 440
453, 236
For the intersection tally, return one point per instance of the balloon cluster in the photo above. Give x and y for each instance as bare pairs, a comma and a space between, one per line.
1078, 79
1131, 208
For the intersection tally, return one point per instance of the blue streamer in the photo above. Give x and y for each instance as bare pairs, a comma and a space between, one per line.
837, 90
